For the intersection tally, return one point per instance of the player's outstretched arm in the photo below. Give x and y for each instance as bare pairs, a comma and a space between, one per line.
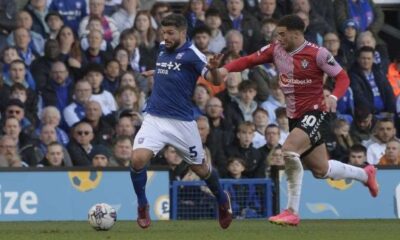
214, 74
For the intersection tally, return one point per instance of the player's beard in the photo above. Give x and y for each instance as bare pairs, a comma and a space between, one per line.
173, 46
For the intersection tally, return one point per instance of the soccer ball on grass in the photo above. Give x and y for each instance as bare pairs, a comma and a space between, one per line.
102, 216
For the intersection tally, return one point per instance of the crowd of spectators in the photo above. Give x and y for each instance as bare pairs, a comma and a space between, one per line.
72, 85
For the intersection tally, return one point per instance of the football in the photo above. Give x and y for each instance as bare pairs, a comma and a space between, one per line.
102, 216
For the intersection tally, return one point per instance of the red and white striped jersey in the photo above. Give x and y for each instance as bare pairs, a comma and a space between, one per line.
300, 73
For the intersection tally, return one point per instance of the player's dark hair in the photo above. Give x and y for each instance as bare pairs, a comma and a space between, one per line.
292, 22
175, 20
365, 49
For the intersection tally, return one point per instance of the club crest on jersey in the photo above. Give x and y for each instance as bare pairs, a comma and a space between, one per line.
179, 55
304, 63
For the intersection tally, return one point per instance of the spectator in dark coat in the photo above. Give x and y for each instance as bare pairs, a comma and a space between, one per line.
370, 87
243, 22
80, 146
59, 89
40, 67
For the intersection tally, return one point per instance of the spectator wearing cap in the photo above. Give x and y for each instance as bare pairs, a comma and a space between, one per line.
362, 125
101, 156
75, 111
38, 11
72, 11
368, 16
41, 66
103, 132
54, 22
94, 74
370, 86
16, 109
349, 31
59, 88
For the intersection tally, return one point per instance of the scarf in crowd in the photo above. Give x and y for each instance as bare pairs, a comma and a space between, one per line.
107, 32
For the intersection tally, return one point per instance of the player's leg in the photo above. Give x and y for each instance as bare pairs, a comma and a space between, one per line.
296, 143
148, 141
317, 161
210, 176
185, 137
140, 158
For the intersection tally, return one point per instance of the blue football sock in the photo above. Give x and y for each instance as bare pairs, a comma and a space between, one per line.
139, 179
213, 184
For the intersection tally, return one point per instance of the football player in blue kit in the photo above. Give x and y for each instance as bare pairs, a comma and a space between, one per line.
169, 117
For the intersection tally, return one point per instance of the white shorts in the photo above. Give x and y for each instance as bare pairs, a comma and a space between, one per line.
156, 132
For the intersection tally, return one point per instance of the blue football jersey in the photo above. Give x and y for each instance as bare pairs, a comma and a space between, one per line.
175, 79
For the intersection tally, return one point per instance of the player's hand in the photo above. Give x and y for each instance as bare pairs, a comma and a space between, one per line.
331, 103
149, 73
215, 61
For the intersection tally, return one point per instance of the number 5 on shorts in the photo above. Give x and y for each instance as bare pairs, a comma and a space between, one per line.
193, 152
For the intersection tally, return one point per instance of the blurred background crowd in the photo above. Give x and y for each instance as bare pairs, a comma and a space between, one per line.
72, 89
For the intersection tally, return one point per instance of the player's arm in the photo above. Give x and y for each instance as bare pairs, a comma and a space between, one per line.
328, 64
264, 55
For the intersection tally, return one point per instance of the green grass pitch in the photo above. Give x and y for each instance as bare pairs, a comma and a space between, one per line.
207, 230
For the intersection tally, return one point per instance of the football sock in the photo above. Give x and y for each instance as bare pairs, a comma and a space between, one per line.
139, 179
294, 172
338, 170
213, 184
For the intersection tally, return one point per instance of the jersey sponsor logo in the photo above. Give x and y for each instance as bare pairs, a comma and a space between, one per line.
304, 63
284, 80
330, 60
164, 67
